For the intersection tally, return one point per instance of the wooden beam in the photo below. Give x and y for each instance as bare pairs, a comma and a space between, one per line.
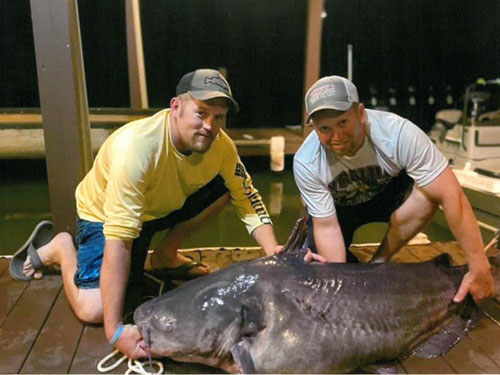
313, 50
63, 99
136, 70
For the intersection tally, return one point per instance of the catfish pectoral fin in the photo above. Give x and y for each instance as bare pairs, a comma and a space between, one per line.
243, 358
251, 318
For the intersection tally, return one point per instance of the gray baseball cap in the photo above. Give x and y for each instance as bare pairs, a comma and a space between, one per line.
204, 84
333, 92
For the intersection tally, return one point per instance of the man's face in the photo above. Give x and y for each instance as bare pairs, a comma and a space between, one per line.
341, 132
196, 123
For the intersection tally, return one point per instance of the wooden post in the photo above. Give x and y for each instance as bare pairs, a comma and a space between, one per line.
136, 70
63, 98
313, 51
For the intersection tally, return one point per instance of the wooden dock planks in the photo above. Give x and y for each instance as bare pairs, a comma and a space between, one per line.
93, 347
58, 340
24, 322
415, 365
9, 291
40, 334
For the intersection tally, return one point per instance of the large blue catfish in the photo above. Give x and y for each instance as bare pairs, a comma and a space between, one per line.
281, 315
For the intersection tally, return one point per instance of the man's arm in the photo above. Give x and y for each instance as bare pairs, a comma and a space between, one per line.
328, 238
460, 218
247, 201
114, 276
264, 235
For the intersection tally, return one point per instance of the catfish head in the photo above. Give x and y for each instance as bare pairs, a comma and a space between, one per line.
202, 321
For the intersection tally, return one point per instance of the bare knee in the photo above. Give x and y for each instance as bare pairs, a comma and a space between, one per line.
62, 239
89, 314
87, 305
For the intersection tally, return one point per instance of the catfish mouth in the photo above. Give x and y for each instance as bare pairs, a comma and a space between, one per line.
153, 347
155, 342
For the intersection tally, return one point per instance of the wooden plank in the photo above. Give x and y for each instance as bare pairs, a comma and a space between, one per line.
4, 265
23, 324
466, 358
457, 253
405, 255
365, 252
478, 353
55, 346
492, 309
216, 259
239, 255
30, 144
63, 99
486, 336
36, 119
312, 65
10, 290
136, 69
417, 365
92, 349
18, 142
400, 369
427, 252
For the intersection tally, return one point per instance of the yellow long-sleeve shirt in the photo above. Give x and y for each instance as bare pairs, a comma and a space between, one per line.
138, 175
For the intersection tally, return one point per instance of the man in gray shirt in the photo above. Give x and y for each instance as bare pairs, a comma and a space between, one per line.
360, 166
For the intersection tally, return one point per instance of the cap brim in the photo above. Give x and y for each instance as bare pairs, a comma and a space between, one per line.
337, 106
206, 95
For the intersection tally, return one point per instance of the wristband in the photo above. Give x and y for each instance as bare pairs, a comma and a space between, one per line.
117, 334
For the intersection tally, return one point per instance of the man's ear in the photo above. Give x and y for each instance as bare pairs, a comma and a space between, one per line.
361, 112
175, 105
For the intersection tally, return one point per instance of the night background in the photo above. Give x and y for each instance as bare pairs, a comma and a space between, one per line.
402, 48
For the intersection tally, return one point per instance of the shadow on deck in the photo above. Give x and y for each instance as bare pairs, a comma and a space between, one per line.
40, 334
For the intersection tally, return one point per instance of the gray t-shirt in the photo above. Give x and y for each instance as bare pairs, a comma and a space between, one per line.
392, 144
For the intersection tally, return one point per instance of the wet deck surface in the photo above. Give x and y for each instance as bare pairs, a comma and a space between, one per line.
40, 334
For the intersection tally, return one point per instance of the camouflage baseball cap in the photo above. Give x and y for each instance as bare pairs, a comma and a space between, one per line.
204, 84
333, 92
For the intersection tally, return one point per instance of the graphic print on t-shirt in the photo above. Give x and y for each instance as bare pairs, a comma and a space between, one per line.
355, 186
240, 170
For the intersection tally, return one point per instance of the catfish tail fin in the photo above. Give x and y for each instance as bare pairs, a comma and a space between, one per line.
297, 242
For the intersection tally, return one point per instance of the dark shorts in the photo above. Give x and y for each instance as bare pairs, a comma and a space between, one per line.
90, 238
379, 209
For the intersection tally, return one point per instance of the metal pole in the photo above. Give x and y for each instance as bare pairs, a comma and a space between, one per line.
63, 98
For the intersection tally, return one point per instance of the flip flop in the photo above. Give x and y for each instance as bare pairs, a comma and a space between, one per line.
42, 234
177, 273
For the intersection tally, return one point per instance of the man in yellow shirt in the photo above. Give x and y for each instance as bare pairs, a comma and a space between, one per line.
170, 170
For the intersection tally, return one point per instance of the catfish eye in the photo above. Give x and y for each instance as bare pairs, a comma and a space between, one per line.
169, 325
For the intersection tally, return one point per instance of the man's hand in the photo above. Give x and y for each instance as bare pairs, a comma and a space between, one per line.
131, 343
310, 256
278, 249
480, 285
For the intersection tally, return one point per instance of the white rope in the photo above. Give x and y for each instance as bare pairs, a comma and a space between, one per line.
134, 366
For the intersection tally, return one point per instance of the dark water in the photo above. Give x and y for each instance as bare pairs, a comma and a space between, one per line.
24, 201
